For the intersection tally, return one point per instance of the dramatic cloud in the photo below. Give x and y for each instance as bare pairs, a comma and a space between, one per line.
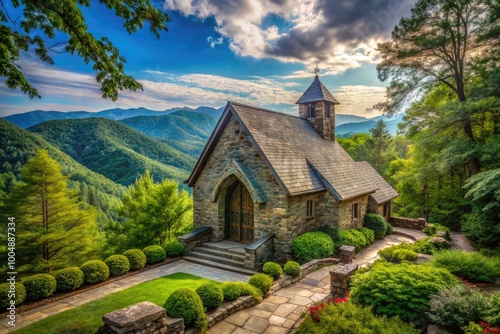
336, 34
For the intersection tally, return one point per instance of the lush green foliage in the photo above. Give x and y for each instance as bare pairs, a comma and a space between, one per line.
403, 290
211, 295
185, 303
348, 318
154, 254
472, 266
46, 209
404, 255
261, 281
494, 316
292, 268
454, 307
154, 214
173, 248
272, 269
312, 245
89, 315
69, 279
354, 237
331, 231
376, 223
390, 229
6, 294
42, 21
231, 290
40, 286
136, 258
432, 229
421, 246
369, 235
95, 271
246, 289
118, 264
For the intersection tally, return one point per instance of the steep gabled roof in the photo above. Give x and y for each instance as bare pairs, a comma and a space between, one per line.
316, 92
385, 192
299, 158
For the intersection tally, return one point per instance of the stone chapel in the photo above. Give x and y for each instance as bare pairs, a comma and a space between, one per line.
265, 175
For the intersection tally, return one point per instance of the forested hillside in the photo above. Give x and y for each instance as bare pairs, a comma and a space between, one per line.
115, 150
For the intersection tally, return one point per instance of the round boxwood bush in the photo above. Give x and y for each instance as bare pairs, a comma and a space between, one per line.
173, 248
69, 279
292, 268
154, 254
211, 295
404, 255
40, 286
185, 303
95, 271
369, 235
312, 245
6, 289
390, 229
352, 237
262, 281
136, 258
231, 290
331, 231
273, 269
376, 223
246, 289
399, 289
118, 264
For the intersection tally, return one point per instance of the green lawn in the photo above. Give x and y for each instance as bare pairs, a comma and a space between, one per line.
88, 317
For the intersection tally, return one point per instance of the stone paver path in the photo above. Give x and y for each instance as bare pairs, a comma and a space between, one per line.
45, 311
459, 241
278, 313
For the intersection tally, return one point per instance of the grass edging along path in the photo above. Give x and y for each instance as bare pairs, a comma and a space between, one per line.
86, 319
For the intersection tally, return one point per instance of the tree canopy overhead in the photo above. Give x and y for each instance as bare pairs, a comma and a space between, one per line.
41, 19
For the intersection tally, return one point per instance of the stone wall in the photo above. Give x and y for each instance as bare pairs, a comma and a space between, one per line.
374, 207
417, 224
323, 125
345, 220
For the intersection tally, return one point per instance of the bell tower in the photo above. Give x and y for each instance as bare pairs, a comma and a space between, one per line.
317, 105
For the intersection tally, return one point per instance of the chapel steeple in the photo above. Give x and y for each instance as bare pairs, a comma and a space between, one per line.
317, 105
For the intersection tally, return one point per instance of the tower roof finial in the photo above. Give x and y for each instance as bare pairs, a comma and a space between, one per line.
316, 70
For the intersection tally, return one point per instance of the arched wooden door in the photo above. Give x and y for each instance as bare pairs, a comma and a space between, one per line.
239, 214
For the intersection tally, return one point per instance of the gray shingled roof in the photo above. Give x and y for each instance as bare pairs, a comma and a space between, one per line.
317, 92
385, 192
300, 159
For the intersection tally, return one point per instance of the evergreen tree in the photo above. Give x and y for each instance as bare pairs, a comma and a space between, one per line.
379, 143
53, 231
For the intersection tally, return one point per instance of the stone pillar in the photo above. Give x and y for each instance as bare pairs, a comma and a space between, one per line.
339, 278
141, 318
347, 253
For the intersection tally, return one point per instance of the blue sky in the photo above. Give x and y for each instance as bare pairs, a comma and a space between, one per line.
259, 52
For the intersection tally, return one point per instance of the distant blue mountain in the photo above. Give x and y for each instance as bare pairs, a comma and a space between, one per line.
348, 129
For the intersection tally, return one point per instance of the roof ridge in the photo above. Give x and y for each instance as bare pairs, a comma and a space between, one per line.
263, 109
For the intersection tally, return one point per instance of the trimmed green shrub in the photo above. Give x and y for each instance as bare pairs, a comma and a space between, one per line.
472, 266
376, 223
117, 264
173, 248
261, 281
136, 258
347, 318
424, 246
95, 271
352, 238
5, 291
211, 295
231, 290
154, 254
331, 231
390, 229
432, 229
40, 286
292, 268
312, 245
185, 303
403, 290
369, 235
246, 289
439, 243
454, 307
69, 279
494, 314
404, 255
273, 269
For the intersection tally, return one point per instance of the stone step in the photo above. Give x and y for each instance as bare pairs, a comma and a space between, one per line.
227, 246
221, 253
219, 259
219, 265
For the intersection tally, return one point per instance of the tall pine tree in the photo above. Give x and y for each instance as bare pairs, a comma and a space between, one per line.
53, 230
378, 144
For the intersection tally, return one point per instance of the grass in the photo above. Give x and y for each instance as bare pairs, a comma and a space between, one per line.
88, 317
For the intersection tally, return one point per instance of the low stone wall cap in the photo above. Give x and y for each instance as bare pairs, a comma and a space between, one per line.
134, 315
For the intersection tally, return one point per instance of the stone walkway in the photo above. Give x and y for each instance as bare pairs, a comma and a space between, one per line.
459, 241
278, 313
59, 306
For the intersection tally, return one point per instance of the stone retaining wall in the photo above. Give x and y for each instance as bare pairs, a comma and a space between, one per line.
416, 224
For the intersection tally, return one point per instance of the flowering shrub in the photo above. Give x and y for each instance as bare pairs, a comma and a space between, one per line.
316, 310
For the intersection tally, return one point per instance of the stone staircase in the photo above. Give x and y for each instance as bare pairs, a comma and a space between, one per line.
226, 255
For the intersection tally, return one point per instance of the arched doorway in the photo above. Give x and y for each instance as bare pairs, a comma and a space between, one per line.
239, 214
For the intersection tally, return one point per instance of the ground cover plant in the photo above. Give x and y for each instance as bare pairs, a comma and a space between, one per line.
312, 245
87, 318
